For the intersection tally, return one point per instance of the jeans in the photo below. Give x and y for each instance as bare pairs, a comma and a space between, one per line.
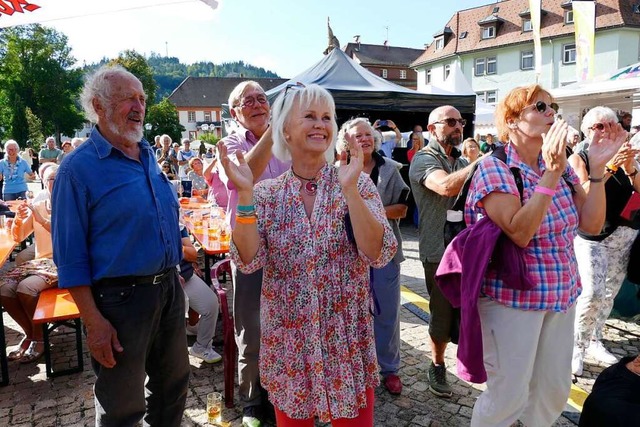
149, 320
386, 325
7, 197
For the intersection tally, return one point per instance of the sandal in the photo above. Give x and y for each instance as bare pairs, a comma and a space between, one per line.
21, 350
32, 354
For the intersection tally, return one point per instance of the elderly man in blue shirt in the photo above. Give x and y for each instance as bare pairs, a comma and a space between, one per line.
116, 243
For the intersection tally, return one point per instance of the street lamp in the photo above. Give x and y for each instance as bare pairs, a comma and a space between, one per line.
205, 127
148, 127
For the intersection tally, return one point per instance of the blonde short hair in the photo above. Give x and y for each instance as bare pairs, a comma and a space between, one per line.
282, 106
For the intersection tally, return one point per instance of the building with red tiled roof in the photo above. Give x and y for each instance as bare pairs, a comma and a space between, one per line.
389, 62
199, 101
493, 45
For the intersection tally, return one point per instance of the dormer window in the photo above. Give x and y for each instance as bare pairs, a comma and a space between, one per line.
526, 25
568, 16
489, 26
441, 37
488, 32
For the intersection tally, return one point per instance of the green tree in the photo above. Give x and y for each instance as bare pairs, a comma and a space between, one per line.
139, 67
34, 126
35, 64
209, 137
163, 118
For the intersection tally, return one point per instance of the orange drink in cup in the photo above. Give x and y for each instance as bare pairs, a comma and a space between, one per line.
214, 408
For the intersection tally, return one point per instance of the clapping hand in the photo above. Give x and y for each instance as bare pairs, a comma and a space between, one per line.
605, 144
240, 174
554, 144
348, 174
624, 157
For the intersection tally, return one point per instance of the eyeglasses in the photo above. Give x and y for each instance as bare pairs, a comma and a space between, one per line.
251, 101
451, 122
597, 126
293, 86
541, 106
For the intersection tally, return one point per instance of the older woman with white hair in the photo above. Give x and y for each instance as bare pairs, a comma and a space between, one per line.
386, 280
13, 170
316, 230
603, 257
20, 287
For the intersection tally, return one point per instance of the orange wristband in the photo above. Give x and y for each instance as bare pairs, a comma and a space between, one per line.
246, 219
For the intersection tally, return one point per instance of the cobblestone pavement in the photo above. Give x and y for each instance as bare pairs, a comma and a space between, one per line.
31, 399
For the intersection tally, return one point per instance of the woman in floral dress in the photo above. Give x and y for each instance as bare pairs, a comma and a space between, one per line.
316, 230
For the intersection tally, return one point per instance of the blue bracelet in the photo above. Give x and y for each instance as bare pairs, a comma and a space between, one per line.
247, 208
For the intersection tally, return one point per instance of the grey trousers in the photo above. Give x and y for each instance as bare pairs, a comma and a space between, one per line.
149, 320
203, 301
246, 316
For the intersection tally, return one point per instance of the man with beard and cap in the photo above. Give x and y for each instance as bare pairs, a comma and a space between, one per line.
436, 174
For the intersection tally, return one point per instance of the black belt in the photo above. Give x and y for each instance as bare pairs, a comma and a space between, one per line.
153, 279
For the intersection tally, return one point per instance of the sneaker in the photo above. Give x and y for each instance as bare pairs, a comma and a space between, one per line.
208, 355
192, 330
597, 351
438, 381
577, 361
393, 384
251, 417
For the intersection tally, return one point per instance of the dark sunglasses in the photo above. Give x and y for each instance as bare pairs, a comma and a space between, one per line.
293, 86
451, 122
541, 106
597, 126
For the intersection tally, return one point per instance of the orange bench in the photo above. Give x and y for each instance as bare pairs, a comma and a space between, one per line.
55, 308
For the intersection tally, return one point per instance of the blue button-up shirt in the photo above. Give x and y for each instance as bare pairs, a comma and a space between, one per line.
112, 216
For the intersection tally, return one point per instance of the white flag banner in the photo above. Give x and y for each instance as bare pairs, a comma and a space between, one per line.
21, 12
535, 8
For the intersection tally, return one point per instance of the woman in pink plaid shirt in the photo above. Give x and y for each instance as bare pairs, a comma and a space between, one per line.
527, 336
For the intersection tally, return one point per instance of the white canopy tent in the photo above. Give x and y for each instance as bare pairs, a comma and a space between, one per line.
619, 91
456, 84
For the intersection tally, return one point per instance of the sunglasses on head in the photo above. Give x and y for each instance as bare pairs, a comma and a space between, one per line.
541, 106
451, 122
293, 86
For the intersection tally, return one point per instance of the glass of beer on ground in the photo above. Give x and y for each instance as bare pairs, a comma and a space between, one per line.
214, 408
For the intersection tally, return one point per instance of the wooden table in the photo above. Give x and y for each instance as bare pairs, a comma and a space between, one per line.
213, 245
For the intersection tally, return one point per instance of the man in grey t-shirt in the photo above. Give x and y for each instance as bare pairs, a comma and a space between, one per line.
50, 153
437, 173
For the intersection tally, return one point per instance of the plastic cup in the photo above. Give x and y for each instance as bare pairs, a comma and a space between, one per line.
214, 408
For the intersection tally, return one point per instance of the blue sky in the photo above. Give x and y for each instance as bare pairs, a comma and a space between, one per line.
285, 36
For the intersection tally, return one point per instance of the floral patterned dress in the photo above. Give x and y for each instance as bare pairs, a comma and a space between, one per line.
317, 354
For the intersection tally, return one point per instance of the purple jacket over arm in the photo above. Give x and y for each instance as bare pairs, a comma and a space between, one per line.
468, 258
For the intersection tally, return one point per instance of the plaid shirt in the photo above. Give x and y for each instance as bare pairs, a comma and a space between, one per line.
550, 256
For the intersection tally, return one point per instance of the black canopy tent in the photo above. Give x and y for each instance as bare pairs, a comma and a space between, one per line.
359, 93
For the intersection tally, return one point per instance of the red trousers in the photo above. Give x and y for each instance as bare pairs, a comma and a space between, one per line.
364, 418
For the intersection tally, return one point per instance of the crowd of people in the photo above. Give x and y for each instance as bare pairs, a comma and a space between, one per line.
316, 251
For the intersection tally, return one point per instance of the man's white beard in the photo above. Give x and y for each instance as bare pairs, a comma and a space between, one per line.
132, 136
